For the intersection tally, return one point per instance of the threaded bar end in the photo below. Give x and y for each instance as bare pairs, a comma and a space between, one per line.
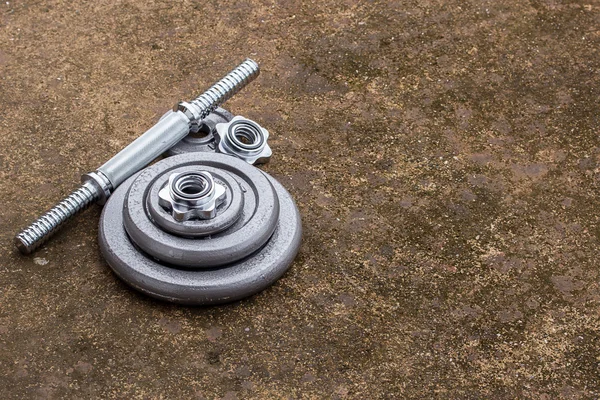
45, 226
221, 91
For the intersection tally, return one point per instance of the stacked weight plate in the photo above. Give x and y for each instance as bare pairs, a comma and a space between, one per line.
249, 244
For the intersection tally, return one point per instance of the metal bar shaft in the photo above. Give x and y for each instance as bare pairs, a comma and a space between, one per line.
99, 185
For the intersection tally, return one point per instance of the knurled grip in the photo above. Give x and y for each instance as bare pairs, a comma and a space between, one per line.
45, 226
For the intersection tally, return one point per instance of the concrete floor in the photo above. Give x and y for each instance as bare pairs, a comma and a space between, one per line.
445, 157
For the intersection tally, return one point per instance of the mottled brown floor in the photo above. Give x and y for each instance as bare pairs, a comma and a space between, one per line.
445, 157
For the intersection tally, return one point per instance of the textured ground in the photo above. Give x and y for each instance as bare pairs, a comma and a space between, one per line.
445, 156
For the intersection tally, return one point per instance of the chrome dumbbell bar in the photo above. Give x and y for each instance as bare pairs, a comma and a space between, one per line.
97, 186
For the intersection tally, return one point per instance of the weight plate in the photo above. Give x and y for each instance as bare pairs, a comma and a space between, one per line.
228, 283
255, 226
228, 212
204, 139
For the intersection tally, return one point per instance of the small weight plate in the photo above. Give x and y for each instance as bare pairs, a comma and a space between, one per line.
227, 213
204, 139
228, 283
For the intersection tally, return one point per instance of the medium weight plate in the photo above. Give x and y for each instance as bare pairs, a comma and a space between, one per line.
238, 240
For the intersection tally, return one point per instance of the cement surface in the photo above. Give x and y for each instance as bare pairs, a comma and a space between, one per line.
445, 158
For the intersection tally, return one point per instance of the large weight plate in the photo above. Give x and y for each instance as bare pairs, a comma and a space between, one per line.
227, 283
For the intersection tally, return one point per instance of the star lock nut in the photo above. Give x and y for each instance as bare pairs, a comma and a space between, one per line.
192, 195
245, 139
